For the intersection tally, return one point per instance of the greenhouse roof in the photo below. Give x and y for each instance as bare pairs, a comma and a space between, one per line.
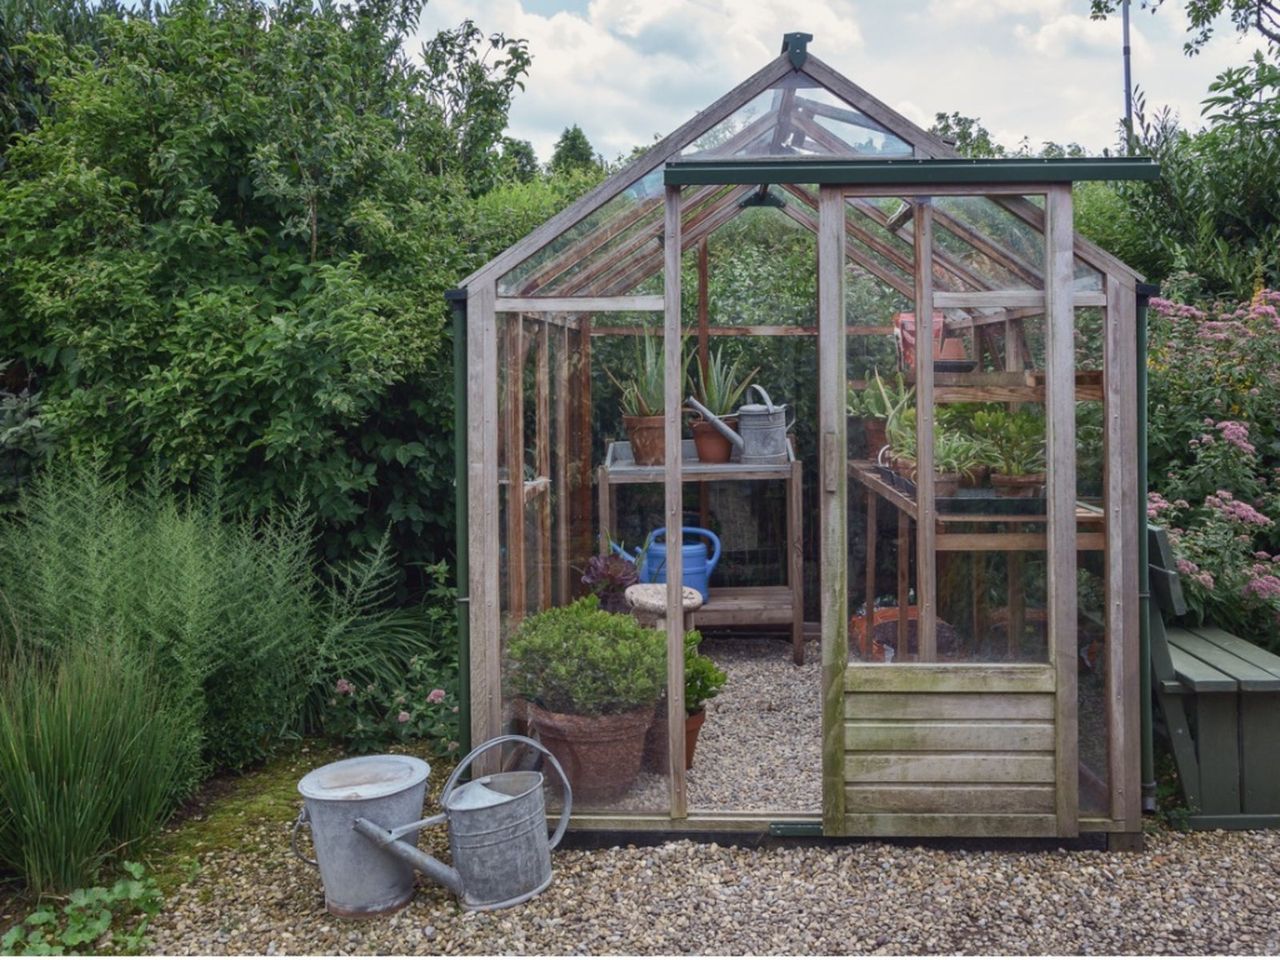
947, 170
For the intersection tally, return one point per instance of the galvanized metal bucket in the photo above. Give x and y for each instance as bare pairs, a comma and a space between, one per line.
361, 880
497, 834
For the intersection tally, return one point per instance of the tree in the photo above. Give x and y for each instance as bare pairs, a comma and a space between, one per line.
573, 151
970, 137
1260, 15
226, 250
519, 162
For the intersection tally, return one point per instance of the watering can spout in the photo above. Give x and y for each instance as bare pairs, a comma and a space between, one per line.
387, 839
723, 428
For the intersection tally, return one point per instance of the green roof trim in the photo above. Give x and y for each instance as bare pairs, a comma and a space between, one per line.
909, 171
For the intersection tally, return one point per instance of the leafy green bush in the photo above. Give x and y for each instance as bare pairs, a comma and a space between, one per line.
582, 660
120, 913
94, 752
703, 680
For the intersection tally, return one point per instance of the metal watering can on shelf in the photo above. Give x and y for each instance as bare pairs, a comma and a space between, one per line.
697, 566
497, 832
761, 436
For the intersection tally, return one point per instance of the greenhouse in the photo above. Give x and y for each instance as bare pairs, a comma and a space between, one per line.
895, 571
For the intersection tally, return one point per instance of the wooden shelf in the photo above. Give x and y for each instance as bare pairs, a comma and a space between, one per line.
621, 468
770, 605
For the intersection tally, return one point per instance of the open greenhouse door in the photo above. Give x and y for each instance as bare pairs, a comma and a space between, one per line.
949, 621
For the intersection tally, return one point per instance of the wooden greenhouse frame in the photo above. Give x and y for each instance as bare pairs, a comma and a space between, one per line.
914, 748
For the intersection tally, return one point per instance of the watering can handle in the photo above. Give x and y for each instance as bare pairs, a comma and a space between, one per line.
452, 782
715, 544
293, 839
763, 395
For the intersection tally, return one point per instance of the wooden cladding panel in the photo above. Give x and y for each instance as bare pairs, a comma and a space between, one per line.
930, 798
948, 706
951, 734
930, 678
960, 767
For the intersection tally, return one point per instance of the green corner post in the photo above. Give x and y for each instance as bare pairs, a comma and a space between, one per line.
457, 300
1145, 292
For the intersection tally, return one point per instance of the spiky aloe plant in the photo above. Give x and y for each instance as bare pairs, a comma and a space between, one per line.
719, 386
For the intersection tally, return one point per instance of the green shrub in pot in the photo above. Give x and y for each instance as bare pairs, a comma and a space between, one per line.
590, 679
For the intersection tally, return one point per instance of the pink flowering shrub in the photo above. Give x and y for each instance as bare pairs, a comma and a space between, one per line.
423, 707
1214, 410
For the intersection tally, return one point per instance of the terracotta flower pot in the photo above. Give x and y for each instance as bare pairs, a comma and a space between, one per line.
648, 439
600, 755
874, 430
711, 444
977, 478
946, 484
1023, 485
655, 742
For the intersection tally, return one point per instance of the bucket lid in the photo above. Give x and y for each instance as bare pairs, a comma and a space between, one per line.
475, 796
363, 778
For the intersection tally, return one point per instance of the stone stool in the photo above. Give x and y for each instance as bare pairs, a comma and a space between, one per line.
648, 601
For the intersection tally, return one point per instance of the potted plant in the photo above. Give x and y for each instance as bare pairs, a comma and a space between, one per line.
703, 681
590, 679
878, 403
719, 388
901, 433
643, 400
1015, 451
607, 576
956, 457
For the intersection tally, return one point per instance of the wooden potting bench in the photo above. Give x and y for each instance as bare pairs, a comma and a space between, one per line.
761, 605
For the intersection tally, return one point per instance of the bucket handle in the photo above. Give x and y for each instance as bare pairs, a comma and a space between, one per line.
452, 782
293, 838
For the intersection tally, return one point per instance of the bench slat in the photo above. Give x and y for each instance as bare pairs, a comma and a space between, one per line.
1250, 676
1251, 652
1195, 673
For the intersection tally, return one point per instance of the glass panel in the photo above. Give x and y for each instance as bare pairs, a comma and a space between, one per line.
989, 437
759, 274
881, 400
558, 409
1091, 571
981, 235
640, 200
797, 118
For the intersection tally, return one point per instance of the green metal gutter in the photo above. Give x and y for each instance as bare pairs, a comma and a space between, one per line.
1145, 292
462, 565
908, 170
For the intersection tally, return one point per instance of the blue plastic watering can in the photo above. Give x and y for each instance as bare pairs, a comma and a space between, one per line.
651, 559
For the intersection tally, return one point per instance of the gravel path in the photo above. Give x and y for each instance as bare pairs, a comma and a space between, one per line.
761, 746
1189, 893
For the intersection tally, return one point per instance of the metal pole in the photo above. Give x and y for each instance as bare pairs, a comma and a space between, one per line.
458, 304
1128, 85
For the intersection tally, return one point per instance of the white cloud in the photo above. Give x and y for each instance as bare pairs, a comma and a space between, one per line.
626, 70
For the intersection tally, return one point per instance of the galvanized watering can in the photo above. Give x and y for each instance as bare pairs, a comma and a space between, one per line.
497, 832
697, 566
761, 436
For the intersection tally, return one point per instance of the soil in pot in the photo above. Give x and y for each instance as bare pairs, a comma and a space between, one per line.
600, 755
648, 439
711, 444
655, 742
1022, 485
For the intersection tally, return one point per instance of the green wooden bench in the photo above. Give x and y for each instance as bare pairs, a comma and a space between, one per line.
1220, 699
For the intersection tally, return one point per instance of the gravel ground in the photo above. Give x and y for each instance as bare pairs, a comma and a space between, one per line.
1188, 894
761, 746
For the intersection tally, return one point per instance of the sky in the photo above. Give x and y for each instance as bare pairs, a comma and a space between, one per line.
627, 71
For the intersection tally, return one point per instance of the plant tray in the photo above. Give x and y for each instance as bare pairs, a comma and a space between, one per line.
982, 501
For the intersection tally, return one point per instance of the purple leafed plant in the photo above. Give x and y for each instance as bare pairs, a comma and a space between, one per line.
608, 576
